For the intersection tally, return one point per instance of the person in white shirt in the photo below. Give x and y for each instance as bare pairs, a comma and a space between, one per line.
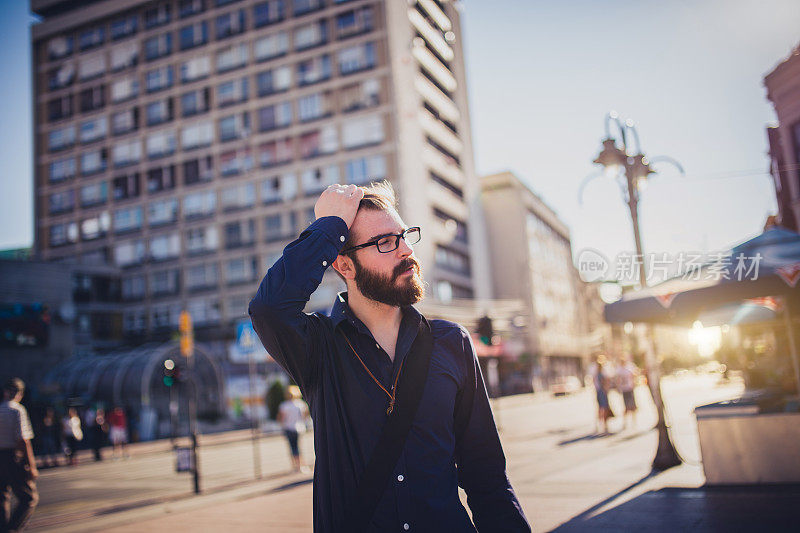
292, 414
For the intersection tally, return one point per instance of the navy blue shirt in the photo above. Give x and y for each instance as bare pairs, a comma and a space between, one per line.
349, 409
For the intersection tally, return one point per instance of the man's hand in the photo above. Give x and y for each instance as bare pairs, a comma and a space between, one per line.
339, 201
32, 472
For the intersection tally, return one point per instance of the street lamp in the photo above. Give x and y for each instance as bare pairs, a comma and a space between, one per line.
631, 169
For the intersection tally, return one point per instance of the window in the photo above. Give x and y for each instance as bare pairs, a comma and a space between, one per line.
276, 230
356, 58
314, 70
241, 270
316, 180
195, 69
193, 35
234, 127
279, 189
197, 135
91, 38
319, 142
198, 170
129, 253
61, 138
62, 76
199, 204
156, 16
61, 202
158, 46
271, 46
125, 187
452, 260
204, 310
302, 7
93, 130
158, 79
232, 23
62, 169
238, 197
123, 27
92, 98
360, 95
159, 112
163, 212
125, 121
127, 152
273, 81
195, 102
134, 321
240, 233
362, 131
94, 194
164, 247
164, 282
59, 47
274, 116
310, 35
275, 152
91, 66
60, 108
133, 288
124, 89
354, 22
161, 179
93, 162
61, 234
447, 185
124, 55
314, 106
268, 13
231, 58
235, 162
365, 169
201, 240
128, 219
187, 8
202, 276
457, 227
160, 144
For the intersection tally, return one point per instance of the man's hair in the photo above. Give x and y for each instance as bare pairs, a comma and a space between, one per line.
378, 196
14, 386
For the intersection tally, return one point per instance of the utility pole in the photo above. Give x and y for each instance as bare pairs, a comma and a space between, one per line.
187, 350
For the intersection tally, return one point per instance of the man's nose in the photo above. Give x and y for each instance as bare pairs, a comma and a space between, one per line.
404, 249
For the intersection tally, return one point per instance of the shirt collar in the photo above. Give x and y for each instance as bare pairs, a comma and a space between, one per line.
340, 312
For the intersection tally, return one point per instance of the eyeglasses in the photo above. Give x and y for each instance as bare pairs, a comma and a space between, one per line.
390, 243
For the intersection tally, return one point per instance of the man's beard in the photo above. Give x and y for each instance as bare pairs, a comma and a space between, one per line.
385, 289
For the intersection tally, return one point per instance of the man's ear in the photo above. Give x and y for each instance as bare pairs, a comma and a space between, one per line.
344, 266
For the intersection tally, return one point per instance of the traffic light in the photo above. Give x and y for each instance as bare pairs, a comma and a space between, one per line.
170, 372
485, 330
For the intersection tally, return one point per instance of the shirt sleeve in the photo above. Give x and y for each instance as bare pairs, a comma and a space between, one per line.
23, 429
291, 336
482, 464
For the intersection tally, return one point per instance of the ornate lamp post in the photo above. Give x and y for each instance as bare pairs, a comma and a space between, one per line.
631, 169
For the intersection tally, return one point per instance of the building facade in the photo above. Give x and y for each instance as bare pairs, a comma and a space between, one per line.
783, 90
531, 260
185, 142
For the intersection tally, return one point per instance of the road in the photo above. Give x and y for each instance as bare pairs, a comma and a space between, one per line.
557, 464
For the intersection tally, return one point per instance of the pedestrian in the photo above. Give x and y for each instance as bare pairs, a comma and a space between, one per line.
50, 437
602, 385
118, 431
73, 434
292, 414
18, 471
399, 405
626, 375
99, 432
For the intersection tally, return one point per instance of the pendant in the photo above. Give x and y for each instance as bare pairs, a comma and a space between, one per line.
391, 407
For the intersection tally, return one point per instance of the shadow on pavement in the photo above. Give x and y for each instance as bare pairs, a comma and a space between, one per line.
703, 509
589, 436
292, 485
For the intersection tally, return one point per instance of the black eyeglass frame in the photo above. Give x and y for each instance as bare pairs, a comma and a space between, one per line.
375, 242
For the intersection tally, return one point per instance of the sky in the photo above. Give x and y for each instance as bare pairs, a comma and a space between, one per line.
542, 75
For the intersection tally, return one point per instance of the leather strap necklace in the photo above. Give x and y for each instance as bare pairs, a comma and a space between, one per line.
394, 386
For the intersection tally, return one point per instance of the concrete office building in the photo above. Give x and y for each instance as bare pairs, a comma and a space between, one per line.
531, 261
184, 142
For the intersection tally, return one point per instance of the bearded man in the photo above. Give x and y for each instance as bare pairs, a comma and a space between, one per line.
400, 410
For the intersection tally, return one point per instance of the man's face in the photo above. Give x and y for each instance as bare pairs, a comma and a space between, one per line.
389, 278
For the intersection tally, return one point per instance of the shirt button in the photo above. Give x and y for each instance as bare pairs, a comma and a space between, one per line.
342, 238
378, 346
400, 477
324, 263
406, 526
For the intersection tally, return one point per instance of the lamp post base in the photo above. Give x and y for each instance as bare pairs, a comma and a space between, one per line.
666, 454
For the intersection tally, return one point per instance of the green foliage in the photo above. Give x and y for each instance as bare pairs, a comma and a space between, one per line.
275, 395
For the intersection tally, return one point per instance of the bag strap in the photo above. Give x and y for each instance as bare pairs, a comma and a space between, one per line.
464, 401
393, 436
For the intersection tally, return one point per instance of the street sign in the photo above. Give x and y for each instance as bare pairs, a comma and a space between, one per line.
247, 344
183, 459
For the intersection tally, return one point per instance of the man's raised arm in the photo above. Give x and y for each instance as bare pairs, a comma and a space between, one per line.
276, 311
